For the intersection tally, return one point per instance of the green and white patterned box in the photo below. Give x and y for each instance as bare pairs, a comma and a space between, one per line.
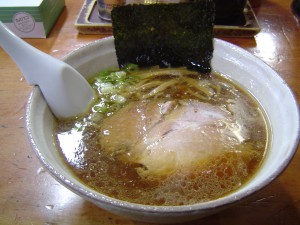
30, 18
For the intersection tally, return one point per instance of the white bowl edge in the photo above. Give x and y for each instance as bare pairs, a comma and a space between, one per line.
225, 52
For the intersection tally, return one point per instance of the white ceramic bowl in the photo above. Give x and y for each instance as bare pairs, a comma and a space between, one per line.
264, 84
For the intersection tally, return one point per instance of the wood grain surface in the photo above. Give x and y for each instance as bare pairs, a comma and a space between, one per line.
30, 196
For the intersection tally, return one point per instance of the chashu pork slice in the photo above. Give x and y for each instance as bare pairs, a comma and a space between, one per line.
164, 136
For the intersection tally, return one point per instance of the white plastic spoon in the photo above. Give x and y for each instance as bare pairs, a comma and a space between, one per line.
65, 90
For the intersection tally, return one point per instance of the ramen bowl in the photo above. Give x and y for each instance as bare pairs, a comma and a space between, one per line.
240, 66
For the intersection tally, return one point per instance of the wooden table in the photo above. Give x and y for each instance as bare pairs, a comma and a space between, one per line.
29, 195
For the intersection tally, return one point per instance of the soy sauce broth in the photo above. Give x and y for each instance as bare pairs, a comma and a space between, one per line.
108, 152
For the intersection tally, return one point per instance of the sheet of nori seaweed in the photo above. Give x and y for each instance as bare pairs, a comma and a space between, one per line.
168, 35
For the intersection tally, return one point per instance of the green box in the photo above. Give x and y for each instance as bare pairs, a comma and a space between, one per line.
30, 18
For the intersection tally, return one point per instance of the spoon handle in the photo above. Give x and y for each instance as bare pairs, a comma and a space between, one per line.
65, 90
22, 53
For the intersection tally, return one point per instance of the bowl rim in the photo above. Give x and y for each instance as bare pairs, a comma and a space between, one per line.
203, 206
